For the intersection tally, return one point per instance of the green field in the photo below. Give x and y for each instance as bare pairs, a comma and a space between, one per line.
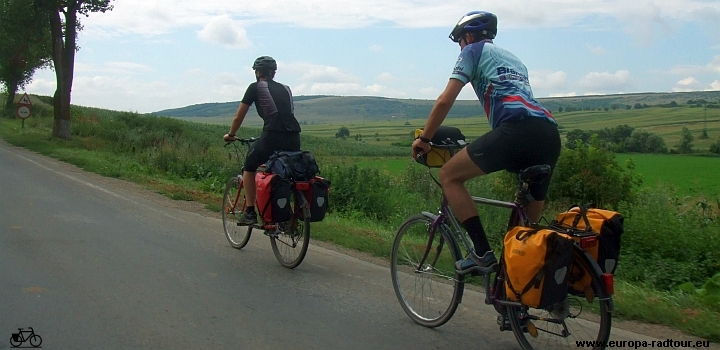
690, 176
665, 122
687, 175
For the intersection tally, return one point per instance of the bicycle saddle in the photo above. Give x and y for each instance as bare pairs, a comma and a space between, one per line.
535, 173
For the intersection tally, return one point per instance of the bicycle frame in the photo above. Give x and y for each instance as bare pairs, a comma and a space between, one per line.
21, 334
518, 216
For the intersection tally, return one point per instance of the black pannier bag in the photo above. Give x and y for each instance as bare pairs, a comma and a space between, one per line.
318, 195
293, 165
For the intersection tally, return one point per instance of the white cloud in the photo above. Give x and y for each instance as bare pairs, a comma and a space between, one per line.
547, 80
566, 94
375, 48
687, 84
715, 85
643, 17
597, 50
224, 31
385, 77
604, 82
711, 68
112, 67
335, 89
317, 73
429, 92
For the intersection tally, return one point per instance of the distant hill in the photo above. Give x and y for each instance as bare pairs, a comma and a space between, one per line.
321, 109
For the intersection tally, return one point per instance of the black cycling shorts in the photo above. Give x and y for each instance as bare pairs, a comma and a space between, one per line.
267, 144
517, 145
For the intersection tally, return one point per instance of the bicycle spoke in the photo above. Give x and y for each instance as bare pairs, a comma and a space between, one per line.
564, 324
423, 273
290, 239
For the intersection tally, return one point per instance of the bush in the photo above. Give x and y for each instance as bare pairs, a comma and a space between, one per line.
715, 147
669, 241
590, 174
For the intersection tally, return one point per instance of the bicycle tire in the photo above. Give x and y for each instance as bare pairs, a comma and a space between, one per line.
290, 239
14, 343
35, 340
424, 292
588, 328
233, 207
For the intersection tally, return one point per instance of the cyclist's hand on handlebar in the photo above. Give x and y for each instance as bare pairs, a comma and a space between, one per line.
419, 148
229, 138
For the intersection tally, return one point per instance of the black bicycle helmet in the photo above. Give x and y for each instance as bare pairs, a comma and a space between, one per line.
265, 63
475, 21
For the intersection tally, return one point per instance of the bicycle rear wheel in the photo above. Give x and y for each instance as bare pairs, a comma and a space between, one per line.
577, 320
290, 239
233, 208
423, 271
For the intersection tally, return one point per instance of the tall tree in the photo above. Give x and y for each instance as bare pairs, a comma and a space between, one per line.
686, 141
24, 45
64, 26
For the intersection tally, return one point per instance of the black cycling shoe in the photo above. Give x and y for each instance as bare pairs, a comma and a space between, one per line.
475, 264
248, 218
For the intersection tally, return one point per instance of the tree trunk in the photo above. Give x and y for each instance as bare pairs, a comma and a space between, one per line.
11, 86
64, 61
10, 101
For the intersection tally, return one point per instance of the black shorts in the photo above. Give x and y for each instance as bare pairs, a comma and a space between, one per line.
516, 145
267, 144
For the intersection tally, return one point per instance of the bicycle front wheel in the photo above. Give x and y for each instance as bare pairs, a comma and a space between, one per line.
422, 266
290, 239
577, 320
35, 340
233, 208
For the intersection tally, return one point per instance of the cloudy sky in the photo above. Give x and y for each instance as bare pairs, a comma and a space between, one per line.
149, 55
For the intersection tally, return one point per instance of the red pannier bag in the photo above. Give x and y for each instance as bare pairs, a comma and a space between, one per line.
273, 197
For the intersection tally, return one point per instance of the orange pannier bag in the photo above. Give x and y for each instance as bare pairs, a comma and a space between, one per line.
536, 263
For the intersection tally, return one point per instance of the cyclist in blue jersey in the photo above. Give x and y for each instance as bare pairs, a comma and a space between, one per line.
281, 131
522, 134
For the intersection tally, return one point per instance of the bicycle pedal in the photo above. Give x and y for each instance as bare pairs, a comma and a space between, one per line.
504, 322
271, 234
532, 330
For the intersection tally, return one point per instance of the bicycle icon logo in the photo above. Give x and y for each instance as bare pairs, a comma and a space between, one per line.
22, 336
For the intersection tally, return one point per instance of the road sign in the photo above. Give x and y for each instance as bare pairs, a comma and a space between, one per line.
23, 112
25, 100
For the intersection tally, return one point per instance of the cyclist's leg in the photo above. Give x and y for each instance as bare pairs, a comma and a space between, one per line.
249, 184
453, 176
258, 153
534, 210
539, 143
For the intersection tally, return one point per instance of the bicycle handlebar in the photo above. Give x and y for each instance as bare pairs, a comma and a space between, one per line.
242, 141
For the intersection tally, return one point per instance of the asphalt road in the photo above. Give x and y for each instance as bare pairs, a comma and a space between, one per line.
91, 263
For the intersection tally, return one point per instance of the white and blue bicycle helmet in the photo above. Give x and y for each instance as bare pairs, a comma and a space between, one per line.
477, 22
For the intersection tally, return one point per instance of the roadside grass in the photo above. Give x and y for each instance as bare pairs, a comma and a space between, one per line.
352, 230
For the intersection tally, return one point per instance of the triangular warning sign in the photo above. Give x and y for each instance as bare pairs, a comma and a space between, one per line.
25, 100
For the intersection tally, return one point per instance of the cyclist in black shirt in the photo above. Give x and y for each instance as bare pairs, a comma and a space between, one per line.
281, 131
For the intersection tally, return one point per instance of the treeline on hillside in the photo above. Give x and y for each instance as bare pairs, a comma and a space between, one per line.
625, 139
615, 106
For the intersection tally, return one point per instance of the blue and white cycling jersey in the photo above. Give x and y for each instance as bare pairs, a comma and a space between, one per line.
500, 81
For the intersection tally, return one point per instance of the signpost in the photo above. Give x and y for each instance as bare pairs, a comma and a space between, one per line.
23, 110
